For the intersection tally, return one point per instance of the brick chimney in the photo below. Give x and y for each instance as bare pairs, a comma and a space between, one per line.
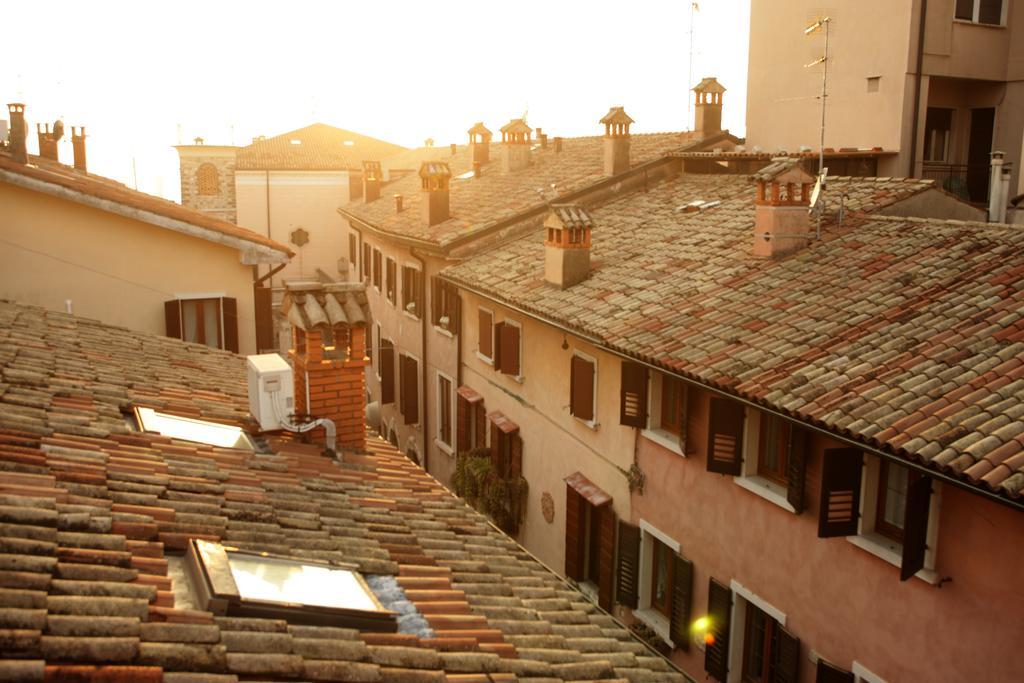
329, 355
355, 184
373, 178
78, 146
515, 145
781, 219
479, 143
19, 132
707, 117
616, 141
435, 177
567, 245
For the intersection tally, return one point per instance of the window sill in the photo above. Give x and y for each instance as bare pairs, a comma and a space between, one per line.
890, 551
407, 314
589, 424
664, 439
656, 621
768, 490
443, 447
971, 22
443, 332
485, 359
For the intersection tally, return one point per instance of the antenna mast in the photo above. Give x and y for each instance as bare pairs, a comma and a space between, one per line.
823, 60
689, 103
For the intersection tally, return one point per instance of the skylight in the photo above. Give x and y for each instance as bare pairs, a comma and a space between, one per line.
264, 578
296, 142
467, 174
349, 143
188, 429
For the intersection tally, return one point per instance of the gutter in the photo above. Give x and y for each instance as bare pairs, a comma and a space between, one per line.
714, 389
423, 350
917, 89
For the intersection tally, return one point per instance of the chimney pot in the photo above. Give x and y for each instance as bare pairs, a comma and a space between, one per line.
454, 148
567, 245
558, 145
47, 143
616, 141
19, 133
398, 203
479, 143
372, 181
781, 219
435, 177
515, 145
78, 147
707, 117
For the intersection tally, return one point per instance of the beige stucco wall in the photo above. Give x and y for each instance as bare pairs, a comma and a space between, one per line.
297, 199
114, 269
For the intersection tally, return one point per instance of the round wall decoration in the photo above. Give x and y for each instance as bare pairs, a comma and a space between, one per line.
300, 237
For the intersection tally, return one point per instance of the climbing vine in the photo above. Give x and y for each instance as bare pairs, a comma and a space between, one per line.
503, 499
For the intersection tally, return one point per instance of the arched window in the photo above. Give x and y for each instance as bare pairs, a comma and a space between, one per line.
208, 179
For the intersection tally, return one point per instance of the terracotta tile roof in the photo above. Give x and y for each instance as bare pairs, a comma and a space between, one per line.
476, 203
89, 513
906, 334
105, 189
320, 148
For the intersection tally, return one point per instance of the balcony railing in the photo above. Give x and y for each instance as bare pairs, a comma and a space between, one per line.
966, 181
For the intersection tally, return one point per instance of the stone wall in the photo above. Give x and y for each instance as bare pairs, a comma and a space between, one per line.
222, 204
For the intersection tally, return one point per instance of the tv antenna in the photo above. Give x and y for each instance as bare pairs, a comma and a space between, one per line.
824, 22
817, 208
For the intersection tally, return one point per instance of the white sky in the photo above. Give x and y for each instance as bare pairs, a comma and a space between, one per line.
137, 73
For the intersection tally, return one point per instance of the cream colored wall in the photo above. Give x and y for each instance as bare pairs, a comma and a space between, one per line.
298, 199
114, 269
555, 444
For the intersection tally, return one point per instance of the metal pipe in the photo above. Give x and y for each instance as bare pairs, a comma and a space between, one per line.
423, 350
917, 89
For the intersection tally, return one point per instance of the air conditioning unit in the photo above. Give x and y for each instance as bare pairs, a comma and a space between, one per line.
270, 376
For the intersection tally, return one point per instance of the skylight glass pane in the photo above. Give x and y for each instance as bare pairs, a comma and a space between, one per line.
262, 578
187, 429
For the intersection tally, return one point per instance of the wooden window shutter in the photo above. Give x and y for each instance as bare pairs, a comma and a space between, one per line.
172, 318
840, 492
716, 654
915, 526
410, 389
787, 666
353, 253
515, 451
628, 591
830, 673
796, 465
606, 556
401, 385
435, 300
463, 423
573, 526
454, 310
481, 426
497, 439
496, 338
682, 597
486, 333
581, 375
633, 395
507, 348
229, 307
725, 436
264, 313
387, 372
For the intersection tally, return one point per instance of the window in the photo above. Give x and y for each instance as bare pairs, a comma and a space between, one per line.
752, 644
582, 387
666, 410
377, 275
661, 578
772, 449
938, 123
408, 382
207, 179
228, 581
980, 11
506, 446
672, 405
375, 346
365, 268
485, 343
873, 83
507, 349
390, 280
444, 411
471, 429
353, 249
412, 290
386, 368
188, 429
882, 507
444, 305
211, 321
760, 646
589, 537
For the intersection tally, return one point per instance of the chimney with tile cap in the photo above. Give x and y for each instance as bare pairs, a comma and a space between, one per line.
707, 117
781, 221
567, 245
435, 177
78, 147
373, 178
19, 132
515, 145
616, 141
479, 143
47, 143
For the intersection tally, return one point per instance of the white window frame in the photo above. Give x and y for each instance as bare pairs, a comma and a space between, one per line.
400, 296
486, 359
862, 674
653, 431
522, 370
742, 596
882, 546
749, 479
448, 448
654, 619
220, 296
592, 423
976, 15
376, 350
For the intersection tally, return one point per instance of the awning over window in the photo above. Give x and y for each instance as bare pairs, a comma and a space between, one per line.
590, 491
470, 394
498, 419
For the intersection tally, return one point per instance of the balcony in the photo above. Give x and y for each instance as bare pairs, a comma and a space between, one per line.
966, 181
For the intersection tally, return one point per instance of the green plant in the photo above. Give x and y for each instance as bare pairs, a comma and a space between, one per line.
503, 499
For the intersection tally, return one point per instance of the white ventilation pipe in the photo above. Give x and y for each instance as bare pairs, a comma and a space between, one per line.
328, 425
996, 200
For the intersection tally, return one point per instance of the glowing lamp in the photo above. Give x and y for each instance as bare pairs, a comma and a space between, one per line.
709, 638
702, 624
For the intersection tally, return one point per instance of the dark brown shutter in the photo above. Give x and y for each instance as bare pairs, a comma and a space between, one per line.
606, 556
682, 597
515, 451
840, 492
409, 381
915, 526
633, 395
387, 371
496, 339
716, 653
796, 464
353, 253
573, 529
454, 310
787, 665
508, 349
463, 421
497, 439
830, 673
481, 426
582, 393
627, 592
229, 307
435, 300
725, 436
264, 312
486, 332
172, 318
